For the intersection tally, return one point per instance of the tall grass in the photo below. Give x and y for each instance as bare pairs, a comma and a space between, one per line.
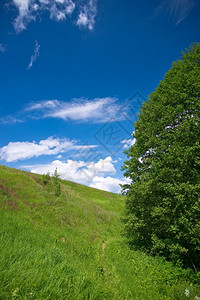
71, 246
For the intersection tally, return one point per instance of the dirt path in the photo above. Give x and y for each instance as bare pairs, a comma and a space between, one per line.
103, 261
40, 183
8, 191
103, 246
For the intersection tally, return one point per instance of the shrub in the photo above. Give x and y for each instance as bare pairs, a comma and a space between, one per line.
46, 178
56, 183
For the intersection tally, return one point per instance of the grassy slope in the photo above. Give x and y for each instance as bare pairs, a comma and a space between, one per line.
71, 247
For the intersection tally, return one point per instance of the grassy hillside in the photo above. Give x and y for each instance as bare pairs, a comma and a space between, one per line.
71, 247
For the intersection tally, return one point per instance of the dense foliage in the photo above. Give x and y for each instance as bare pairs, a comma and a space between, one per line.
163, 200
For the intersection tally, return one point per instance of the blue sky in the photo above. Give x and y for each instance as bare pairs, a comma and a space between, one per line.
73, 75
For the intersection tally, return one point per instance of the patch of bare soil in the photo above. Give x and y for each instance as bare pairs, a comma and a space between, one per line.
8, 191
103, 246
40, 183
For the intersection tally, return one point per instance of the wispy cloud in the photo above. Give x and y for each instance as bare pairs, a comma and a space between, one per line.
2, 48
15, 151
128, 142
10, 120
97, 110
59, 10
26, 14
35, 55
83, 110
177, 10
86, 17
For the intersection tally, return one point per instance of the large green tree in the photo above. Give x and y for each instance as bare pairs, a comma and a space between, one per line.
163, 199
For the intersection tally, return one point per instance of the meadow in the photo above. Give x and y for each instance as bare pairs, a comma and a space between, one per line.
73, 247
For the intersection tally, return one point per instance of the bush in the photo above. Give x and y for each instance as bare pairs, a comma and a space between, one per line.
56, 183
46, 178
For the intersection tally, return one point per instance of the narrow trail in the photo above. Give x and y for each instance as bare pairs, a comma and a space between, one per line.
103, 246
8, 191
104, 266
40, 183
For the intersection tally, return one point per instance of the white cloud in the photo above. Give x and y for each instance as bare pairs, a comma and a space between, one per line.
35, 55
86, 17
77, 171
25, 14
46, 104
128, 142
59, 10
60, 1
51, 146
98, 110
94, 111
178, 10
57, 13
91, 174
70, 170
109, 184
28, 10
10, 120
2, 48
104, 166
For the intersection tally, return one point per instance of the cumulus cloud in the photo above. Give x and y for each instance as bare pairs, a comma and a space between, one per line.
78, 171
2, 48
59, 10
35, 55
86, 17
103, 166
93, 174
98, 110
71, 170
51, 146
178, 10
109, 184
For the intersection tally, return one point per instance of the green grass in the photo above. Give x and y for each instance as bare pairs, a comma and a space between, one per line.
72, 247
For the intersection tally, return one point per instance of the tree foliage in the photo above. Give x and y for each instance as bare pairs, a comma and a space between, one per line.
163, 200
